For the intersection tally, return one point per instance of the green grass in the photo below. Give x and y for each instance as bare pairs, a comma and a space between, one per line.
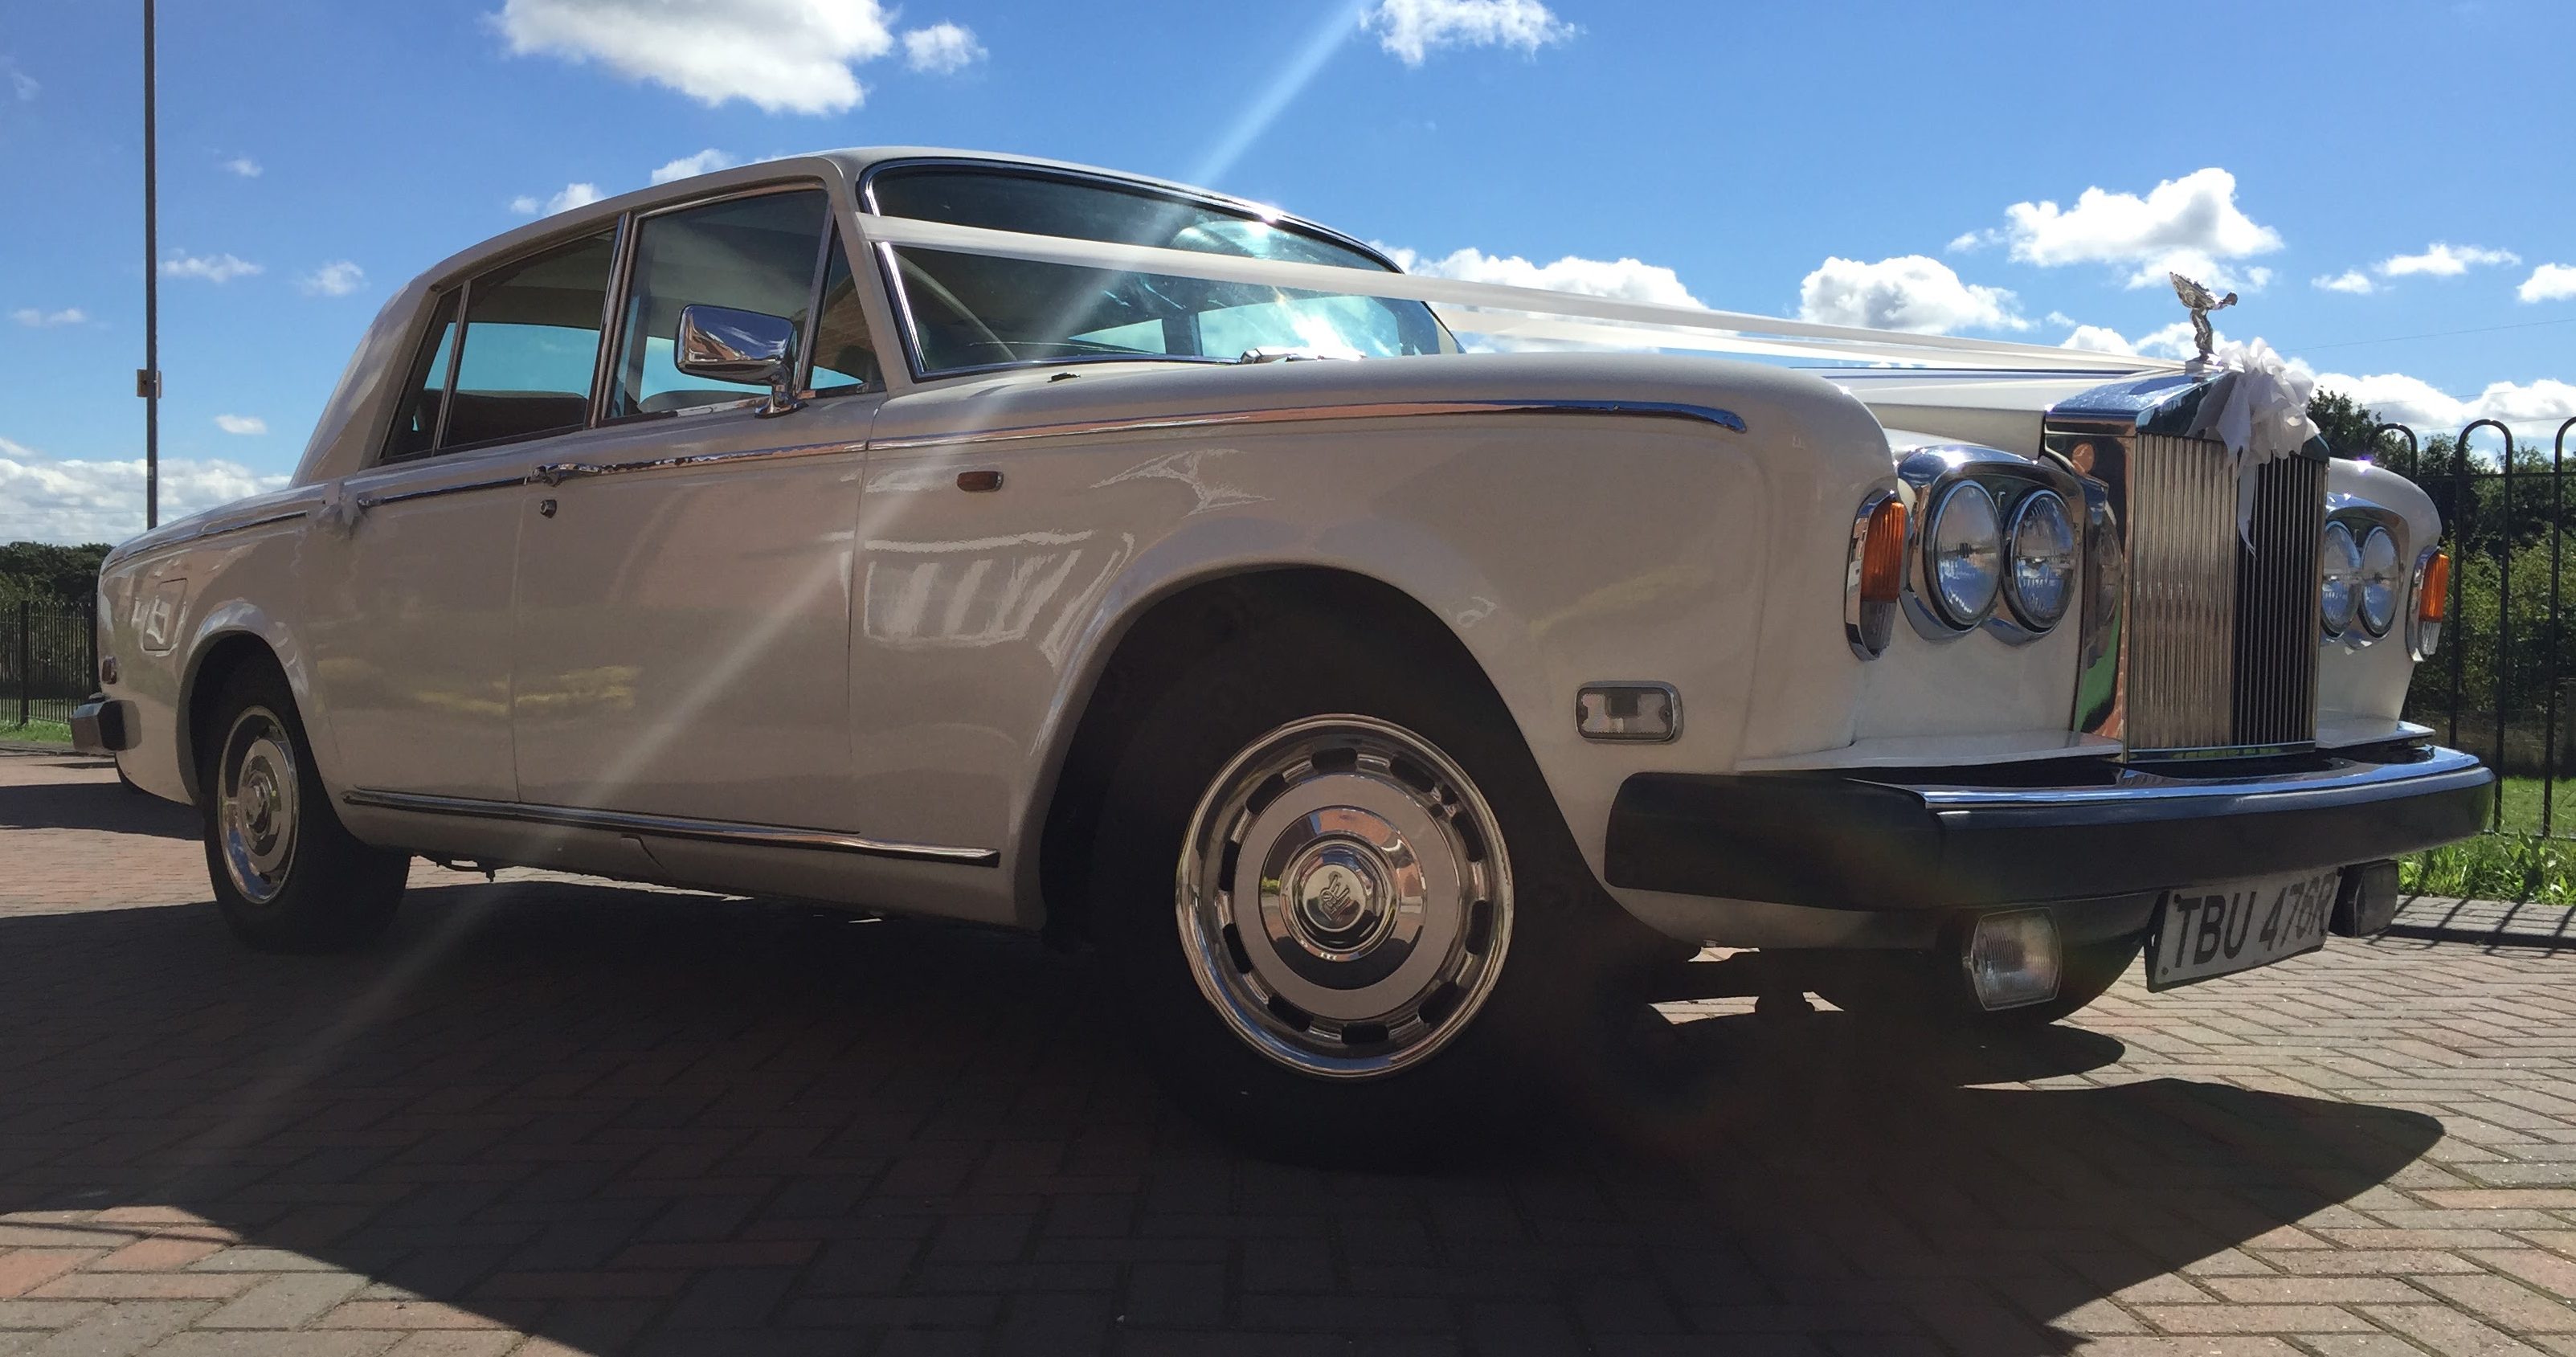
38, 732
2520, 867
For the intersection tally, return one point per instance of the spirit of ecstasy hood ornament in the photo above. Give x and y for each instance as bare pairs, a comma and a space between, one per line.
2200, 301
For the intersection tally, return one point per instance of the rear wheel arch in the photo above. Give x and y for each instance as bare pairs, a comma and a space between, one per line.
1149, 654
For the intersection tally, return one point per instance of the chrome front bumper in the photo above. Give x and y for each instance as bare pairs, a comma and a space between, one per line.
1890, 841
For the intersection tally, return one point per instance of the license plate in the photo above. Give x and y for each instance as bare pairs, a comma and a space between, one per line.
2203, 931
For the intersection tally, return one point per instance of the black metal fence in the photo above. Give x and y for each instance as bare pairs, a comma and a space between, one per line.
2500, 684
48, 661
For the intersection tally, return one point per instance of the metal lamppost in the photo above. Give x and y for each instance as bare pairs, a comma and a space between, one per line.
147, 380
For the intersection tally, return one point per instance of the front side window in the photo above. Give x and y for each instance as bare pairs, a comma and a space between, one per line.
531, 345
970, 311
751, 254
415, 428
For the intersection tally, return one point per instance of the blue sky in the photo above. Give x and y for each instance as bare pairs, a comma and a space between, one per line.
1988, 169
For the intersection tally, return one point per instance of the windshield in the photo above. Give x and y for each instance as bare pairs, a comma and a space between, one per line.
972, 311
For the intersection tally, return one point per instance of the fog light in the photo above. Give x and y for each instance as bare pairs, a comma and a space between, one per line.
2012, 959
1628, 711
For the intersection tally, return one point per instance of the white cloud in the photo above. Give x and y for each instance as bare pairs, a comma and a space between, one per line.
2444, 261
2533, 412
2350, 280
1626, 279
21, 83
241, 424
707, 161
2190, 225
1909, 292
338, 278
1411, 28
2549, 283
244, 166
2173, 341
46, 500
780, 55
566, 198
941, 49
218, 268
69, 315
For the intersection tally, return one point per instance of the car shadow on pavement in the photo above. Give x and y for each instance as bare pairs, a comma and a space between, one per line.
652, 1121
102, 806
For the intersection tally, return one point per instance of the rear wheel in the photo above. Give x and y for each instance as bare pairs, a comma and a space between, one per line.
1340, 907
287, 876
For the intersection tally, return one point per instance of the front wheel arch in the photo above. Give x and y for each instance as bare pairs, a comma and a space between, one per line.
1193, 620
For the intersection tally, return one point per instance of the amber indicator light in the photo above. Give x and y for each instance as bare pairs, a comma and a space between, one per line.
1882, 561
2433, 604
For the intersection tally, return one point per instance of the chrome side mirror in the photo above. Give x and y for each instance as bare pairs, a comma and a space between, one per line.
725, 345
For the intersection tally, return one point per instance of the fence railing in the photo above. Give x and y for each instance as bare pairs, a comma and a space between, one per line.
48, 661
2499, 686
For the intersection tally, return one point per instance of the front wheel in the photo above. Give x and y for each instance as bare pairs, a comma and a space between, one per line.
287, 876
1339, 907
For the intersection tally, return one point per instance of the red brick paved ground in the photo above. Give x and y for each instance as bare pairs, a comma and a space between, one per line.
558, 1117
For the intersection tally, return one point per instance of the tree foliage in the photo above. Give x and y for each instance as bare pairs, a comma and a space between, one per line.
50, 574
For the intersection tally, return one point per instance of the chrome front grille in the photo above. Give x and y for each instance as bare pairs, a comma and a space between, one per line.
2221, 649
2276, 606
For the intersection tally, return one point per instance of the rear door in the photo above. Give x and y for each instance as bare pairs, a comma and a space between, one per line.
682, 628
408, 611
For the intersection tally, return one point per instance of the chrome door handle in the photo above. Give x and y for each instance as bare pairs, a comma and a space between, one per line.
556, 473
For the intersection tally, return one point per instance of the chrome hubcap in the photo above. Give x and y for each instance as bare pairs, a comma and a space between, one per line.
1344, 897
255, 806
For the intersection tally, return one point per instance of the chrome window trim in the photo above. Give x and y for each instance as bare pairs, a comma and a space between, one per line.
630, 239
1725, 419
892, 270
730, 832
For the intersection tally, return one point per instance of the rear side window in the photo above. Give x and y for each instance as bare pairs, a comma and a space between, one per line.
415, 428
751, 254
531, 345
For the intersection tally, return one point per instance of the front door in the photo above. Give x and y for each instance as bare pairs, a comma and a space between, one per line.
682, 629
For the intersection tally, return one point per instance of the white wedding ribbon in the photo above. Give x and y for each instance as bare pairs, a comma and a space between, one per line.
1538, 313
2257, 407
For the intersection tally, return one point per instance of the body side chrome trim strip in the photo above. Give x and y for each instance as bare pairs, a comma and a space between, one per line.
435, 491
671, 827
245, 525
556, 473
1724, 419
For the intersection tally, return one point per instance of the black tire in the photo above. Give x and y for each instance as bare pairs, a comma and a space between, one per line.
1565, 949
1931, 988
287, 875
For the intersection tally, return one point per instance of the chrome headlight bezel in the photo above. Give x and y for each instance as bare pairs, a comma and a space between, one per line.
1958, 505
2387, 578
2338, 571
1929, 477
2029, 515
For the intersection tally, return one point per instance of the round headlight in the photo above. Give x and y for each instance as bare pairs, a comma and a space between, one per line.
1964, 548
2042, 547
2381, 585
2342, 588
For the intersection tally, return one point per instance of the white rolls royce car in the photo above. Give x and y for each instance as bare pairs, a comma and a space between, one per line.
955, 535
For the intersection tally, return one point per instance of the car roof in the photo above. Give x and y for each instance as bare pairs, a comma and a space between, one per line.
850, 165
